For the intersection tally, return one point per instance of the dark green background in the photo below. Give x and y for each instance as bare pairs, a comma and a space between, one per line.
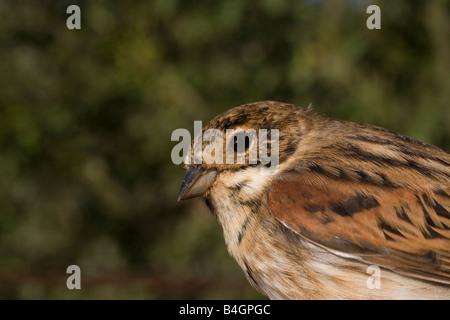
86, 118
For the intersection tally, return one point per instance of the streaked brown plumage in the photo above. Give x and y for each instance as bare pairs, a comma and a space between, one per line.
346, 196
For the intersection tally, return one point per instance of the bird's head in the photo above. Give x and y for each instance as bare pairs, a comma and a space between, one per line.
241, 143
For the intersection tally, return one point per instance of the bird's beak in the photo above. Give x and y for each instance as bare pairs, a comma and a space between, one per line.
196, 182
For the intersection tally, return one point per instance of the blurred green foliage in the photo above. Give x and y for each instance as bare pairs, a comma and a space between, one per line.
86, 118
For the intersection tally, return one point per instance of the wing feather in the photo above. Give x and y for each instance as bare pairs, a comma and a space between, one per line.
403, 227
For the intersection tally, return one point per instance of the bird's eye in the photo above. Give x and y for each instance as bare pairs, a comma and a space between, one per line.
240, 142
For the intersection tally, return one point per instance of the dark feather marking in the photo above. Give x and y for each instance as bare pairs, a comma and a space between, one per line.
291, 147
401, 214
314, 207
305, 194
341, 174
388, 237
441, 211
355, 204
364, 177
244, 227
252, 203
442, 193
240, 119
400, 147
386, 182
414, 165
248, 165
209, 204
427, 200
425, 211
411, 140
398, 144
433, 258
327, 220
428, 219
263, 109
438, 208
384, 226
440, 161
432, 234
315, 168
366, 139
354, 151
238, 187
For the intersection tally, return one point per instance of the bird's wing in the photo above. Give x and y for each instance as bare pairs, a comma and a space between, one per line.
403, 228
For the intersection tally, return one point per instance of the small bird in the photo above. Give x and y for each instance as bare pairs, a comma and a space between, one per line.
350, 210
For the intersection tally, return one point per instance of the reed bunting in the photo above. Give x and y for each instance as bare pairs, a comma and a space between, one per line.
344, 198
